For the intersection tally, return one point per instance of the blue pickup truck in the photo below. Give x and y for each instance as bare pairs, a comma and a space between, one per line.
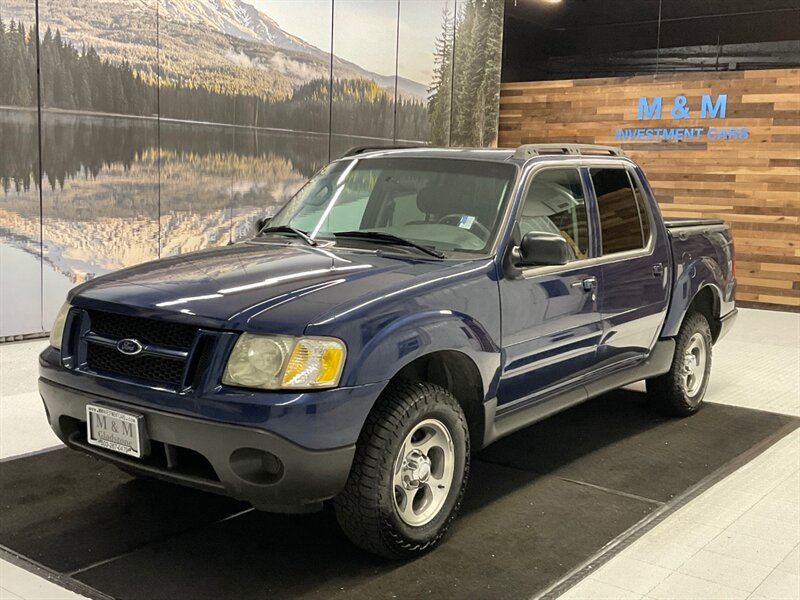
406, 307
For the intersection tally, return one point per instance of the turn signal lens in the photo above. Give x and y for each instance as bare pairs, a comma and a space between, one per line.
315, 363
57, 330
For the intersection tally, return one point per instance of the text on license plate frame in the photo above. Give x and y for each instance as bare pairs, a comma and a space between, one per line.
116, 430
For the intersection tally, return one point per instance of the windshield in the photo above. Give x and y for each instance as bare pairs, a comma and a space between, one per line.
443, 204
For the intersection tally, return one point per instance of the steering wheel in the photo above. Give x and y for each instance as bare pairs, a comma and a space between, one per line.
482, 232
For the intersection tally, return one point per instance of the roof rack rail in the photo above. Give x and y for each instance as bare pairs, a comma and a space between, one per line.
531, 150
363, 149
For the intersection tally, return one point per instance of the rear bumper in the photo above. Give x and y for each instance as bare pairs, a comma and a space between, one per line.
246, 463
726, 323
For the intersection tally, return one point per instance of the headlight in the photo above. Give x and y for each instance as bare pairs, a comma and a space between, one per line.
57, 330
277, 361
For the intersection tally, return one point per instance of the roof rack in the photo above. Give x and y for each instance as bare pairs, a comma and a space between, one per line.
531, 150
363, 149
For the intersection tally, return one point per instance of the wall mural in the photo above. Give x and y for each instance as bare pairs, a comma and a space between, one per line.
171, 125
21, 272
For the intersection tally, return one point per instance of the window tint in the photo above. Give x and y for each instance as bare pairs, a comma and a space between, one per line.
624, 223
555, 203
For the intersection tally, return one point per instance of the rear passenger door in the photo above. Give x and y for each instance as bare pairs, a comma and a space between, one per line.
634, 266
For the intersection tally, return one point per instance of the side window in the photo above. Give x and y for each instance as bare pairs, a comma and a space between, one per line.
555, 203
624, 224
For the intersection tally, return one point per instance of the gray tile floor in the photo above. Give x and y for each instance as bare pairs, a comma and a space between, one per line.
739, 539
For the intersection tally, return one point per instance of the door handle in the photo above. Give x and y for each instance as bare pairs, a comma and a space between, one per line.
588, 284
658, 270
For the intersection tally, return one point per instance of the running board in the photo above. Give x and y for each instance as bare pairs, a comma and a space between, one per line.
497, 426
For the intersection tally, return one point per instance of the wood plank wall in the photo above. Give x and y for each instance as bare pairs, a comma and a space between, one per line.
754, 184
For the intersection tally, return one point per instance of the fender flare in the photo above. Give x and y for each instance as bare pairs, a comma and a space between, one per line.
423, 333
694, 277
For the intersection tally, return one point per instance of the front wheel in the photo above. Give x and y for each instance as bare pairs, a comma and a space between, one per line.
409, 472
680, 391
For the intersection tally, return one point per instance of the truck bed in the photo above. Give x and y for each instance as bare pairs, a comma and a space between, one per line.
677, 222
702, 255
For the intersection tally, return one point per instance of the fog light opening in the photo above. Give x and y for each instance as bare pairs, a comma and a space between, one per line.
256, 466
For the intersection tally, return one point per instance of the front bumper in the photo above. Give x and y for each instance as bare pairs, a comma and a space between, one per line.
247, 463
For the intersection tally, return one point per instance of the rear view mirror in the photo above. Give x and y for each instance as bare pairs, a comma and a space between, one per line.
538, 248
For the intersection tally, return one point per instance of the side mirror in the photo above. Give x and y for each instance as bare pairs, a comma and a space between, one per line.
261, 223
538, 248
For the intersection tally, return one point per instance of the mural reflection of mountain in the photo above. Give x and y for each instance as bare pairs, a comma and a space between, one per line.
101, 186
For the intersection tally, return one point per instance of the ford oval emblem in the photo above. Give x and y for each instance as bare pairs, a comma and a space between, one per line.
130, 346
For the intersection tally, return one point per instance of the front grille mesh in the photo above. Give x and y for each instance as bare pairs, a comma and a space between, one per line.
157, 369
147, 367
162, 333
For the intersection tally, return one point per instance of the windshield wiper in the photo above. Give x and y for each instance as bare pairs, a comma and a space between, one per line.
389, 238
293, 230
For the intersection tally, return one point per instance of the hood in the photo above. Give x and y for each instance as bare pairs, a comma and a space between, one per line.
254, 285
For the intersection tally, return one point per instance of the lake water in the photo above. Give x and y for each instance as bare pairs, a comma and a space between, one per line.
21, 307
118, 191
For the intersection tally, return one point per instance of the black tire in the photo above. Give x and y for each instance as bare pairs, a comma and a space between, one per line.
367, 509
675, 393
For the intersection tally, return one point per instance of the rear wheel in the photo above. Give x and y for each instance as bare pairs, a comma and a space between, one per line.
409, 472
680, 392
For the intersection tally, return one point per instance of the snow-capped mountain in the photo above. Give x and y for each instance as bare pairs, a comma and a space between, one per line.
244, 21
205, 43
235, 18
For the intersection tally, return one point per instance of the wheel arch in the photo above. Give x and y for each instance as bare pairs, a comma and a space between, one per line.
707, 300
707, 303
458, 374
447, 348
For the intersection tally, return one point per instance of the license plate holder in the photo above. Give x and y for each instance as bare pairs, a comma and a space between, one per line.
116, 430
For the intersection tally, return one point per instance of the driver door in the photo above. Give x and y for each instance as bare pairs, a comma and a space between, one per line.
551, 324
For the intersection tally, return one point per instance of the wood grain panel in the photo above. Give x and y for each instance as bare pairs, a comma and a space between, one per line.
754, 184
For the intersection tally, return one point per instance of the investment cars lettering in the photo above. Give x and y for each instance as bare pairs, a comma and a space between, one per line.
653, 109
